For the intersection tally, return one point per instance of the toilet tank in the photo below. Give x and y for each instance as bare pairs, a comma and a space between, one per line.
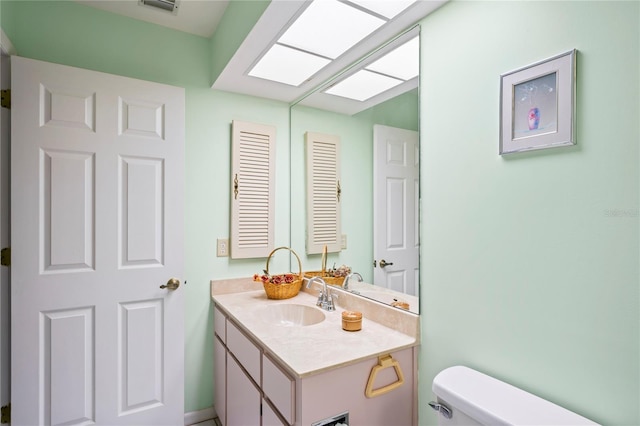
473, 398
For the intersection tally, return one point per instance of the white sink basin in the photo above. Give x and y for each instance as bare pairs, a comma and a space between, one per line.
292, 315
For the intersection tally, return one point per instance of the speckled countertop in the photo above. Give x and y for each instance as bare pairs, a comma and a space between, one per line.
312, 349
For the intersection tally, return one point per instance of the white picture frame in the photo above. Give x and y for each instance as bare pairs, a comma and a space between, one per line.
537, 105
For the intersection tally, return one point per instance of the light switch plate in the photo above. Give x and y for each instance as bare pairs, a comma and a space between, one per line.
222, 247
343, 244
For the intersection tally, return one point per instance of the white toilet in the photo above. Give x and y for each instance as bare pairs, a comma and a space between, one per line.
468, 397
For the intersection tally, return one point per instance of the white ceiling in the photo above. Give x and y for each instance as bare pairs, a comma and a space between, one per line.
199, 17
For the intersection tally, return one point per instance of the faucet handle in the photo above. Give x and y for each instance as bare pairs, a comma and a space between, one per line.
330, 296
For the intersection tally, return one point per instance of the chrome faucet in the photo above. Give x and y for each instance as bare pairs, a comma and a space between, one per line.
325, 298
346, 280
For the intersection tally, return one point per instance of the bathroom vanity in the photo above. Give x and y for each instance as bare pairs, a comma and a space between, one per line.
287, 362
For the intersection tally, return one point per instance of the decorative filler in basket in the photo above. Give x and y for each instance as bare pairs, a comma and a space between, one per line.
281, 286
334, 276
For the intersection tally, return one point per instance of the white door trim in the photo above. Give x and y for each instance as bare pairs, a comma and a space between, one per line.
5, 44
5, 229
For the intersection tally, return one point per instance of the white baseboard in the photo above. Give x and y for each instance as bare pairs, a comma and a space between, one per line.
194, 417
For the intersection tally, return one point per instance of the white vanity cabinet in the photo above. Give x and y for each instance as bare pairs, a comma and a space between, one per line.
255, 388
249, 388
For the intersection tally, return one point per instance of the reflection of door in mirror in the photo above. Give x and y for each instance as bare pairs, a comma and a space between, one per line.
395, 208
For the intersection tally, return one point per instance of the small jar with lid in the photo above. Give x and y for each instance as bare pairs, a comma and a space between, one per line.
400, 304
351, 321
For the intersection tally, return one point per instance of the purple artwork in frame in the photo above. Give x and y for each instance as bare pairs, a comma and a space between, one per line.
535, 109
537, 105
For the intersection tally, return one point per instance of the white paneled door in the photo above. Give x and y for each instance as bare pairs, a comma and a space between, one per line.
396, 242
97, 227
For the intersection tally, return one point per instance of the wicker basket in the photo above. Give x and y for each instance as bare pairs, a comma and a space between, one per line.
329, 279
283, 290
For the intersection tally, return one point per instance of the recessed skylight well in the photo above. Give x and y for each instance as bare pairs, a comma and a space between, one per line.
395, 67
329, 28
402, 62
286, 65
323, 32
363, 85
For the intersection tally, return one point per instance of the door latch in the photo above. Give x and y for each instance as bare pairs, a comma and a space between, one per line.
5, 256
5, 414
5, 98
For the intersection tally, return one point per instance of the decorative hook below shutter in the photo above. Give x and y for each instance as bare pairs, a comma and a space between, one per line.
235, 187
339, 191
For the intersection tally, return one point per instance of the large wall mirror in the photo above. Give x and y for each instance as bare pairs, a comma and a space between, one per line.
373, 108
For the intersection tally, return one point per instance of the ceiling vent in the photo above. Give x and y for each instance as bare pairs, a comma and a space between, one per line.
170, 6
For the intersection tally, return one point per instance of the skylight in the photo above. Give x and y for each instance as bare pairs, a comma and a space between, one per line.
402, 62
329, 28
363, 85
286, 65
394, 68
323, 32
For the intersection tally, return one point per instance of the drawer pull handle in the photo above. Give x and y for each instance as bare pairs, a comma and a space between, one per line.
385, 361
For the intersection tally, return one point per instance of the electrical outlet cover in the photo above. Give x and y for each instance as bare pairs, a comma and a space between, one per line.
222, 247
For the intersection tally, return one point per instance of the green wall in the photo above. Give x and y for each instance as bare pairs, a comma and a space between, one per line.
239, 18
81, 36
72, 34
208, 195
401, 111
530, 262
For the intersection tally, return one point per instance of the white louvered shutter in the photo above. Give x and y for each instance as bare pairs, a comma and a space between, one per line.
323, 192
253, 190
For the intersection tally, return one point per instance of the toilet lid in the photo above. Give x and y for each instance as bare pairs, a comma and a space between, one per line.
493, 402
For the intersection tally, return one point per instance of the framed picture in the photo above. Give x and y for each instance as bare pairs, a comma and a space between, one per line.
537, 105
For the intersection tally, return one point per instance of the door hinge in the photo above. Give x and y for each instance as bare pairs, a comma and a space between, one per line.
5, 256
5, 98
5, 415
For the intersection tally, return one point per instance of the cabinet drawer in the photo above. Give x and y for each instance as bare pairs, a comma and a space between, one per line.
220, 324
279, 388
244, 350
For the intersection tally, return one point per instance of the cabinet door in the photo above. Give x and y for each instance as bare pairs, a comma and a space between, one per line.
220, 376
269, 417
243, 398
279, 388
